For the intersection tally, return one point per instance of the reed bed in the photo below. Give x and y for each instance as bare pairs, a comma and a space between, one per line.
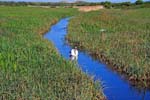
30, 67
120, 38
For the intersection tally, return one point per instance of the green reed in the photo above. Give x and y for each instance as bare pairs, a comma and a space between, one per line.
124, 40
30, 67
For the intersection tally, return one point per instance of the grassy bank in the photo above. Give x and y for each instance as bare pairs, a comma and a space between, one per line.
30, 67
120, 38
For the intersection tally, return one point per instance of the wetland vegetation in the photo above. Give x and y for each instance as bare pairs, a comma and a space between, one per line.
30, 66
118, 37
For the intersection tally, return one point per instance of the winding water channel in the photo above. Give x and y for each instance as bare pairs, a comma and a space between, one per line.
115, 87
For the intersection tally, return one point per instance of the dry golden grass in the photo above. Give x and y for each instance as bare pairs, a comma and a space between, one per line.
89, 8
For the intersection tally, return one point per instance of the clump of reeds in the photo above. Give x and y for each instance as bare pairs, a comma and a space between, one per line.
30, 67
124, 44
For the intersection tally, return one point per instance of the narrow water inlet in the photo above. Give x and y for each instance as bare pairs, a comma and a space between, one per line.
115, 87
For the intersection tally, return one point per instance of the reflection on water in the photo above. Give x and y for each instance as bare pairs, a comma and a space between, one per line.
116, 88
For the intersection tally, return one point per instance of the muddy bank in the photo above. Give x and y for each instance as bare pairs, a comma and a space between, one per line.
45, 29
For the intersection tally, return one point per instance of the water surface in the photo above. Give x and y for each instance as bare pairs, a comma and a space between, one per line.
115, 87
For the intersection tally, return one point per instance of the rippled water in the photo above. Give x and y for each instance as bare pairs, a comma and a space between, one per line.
115, 87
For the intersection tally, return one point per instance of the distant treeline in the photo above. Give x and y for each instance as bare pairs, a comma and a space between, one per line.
107, 4
81, 3
128, 5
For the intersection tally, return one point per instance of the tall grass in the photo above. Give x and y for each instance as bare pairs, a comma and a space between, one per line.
30, 67
118, 37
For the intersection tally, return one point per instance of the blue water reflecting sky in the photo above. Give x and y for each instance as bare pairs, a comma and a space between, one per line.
115, 87
74, 0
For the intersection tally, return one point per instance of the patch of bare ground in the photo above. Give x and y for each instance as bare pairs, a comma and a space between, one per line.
89, 8
38, 6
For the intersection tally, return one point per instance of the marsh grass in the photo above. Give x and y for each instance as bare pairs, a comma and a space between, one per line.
124, 44
30, 67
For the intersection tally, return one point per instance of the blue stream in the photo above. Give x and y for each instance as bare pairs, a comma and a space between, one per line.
115, 87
